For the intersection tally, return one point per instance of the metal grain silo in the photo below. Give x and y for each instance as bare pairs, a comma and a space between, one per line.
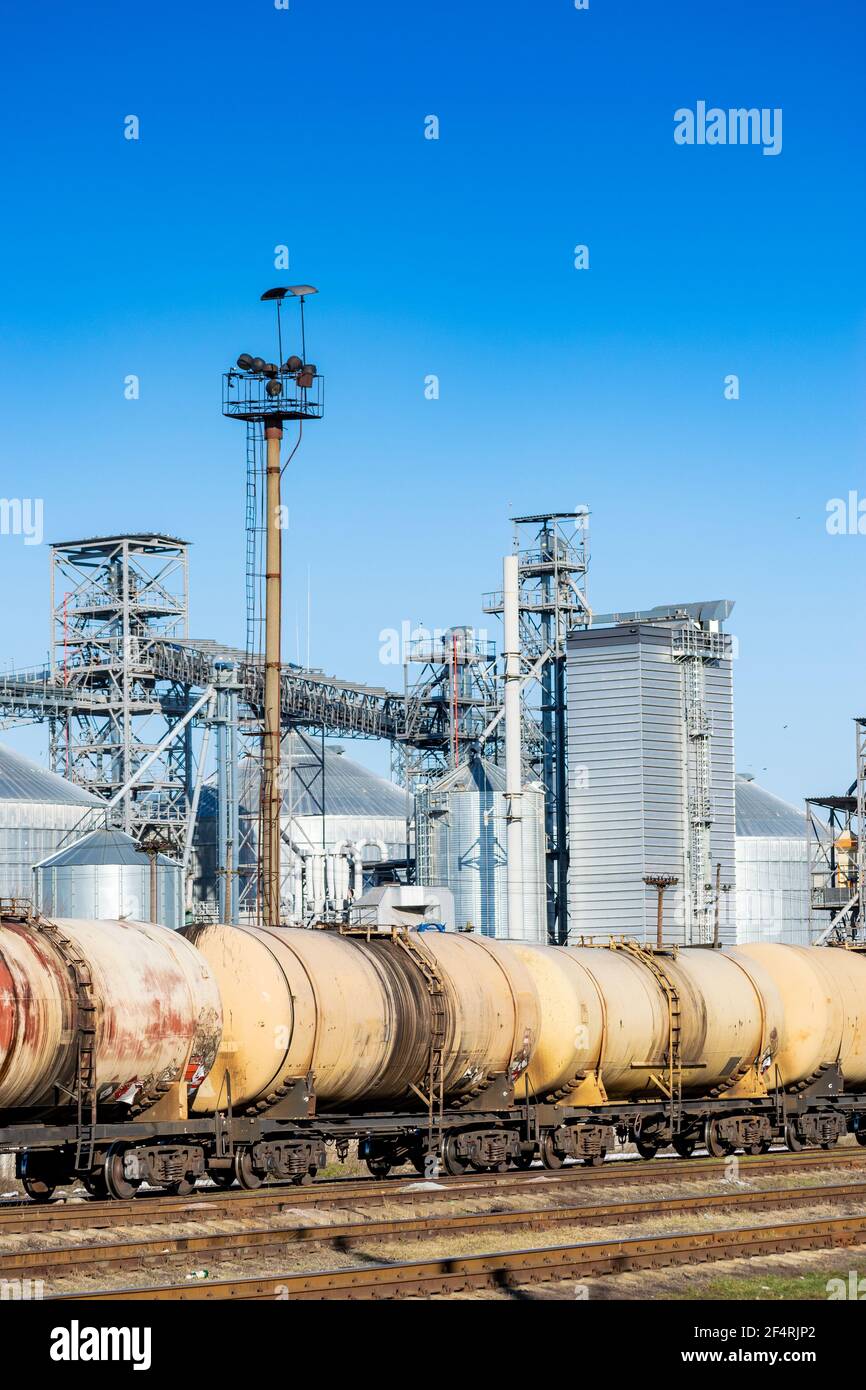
338, 820
39, 812
772, 896
460, 835
104, 875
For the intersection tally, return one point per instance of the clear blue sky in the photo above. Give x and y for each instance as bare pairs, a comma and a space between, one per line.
260, 126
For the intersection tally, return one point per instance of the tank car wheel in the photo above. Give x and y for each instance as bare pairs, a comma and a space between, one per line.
379, 1167
684, 1146
116, 1184
549, 1157
524, 1161
792, 1140
716, 1146
245, 1172
646, 1148
182, 1188
454, 1163
37, 1190
222, 1177
860, 1136
95, 1184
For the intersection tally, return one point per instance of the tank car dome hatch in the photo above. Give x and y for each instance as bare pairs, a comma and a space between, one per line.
39, 811
334, 830
104, 875
772, 890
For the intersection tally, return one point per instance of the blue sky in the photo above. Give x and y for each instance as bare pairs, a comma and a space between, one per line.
261, 127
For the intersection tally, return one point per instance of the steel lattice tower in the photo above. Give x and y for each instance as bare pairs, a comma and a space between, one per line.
553, 558
112, 599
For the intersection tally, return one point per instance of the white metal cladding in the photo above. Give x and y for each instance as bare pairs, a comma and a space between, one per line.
323, 857
30, 830
772, 901
110, 892
460, 835
628, 752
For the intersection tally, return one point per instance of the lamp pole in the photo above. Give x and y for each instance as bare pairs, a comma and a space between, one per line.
660, 882
271, 793
266, 394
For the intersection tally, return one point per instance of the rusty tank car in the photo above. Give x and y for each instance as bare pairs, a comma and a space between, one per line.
127, 1012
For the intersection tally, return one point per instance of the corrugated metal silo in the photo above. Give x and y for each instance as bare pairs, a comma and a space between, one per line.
460, 836
338, 820
39, 811
772, 896
636, 793
105, 876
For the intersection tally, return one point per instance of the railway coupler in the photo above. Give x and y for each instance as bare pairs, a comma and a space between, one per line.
381, 1154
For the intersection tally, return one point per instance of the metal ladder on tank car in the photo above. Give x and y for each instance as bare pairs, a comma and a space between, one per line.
672, 1086
85, 1063
434, 1100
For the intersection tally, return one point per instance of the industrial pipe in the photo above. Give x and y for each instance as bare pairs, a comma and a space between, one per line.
513, 771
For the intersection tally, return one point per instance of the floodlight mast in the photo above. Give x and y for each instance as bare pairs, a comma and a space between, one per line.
271, 393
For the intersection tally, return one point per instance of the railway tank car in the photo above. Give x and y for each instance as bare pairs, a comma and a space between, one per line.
118, 1017
355, 1017
130, 1053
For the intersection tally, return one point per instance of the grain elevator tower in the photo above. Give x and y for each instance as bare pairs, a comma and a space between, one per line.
651, 773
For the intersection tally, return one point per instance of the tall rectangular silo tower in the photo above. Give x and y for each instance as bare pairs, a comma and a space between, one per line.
651, 774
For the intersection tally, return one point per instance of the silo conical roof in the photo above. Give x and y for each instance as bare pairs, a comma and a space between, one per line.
21, 779
761, 814
102, 847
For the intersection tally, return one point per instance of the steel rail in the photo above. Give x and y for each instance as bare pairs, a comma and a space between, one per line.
27, 1217
263, 1240
506, 1268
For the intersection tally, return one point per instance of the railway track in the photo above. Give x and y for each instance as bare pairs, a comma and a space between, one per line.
266, 1241
153, 1208
505, 1269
